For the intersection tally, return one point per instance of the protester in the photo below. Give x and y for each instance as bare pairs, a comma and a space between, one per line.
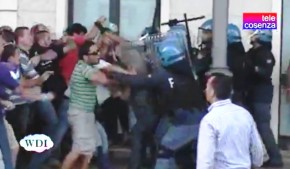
7, 142
82, 104
55, 86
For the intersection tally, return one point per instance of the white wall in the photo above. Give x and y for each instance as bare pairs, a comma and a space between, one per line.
175, 9
8, 17
171, 9
52, 13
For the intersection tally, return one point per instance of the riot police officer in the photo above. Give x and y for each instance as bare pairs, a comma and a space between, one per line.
235, 58
203, 59
260, 93
236, 61
177, 96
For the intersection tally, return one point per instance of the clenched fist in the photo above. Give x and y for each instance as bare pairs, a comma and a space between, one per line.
102, 20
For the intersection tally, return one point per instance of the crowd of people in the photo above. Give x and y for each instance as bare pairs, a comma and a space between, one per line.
50, 86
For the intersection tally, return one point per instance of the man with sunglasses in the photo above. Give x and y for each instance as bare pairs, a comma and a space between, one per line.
82, 103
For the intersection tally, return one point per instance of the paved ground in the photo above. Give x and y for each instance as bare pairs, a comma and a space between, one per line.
286, 159
120, 158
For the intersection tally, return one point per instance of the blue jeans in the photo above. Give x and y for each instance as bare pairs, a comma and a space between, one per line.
104, 138
139, 130
48, 115
262, 115
4, 145
57, 135
102, 151
145, 123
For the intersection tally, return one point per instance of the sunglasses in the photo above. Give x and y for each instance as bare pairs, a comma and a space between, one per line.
94, 53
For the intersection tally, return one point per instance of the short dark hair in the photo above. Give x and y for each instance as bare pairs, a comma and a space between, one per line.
9, 50
8, 36
34, 29
6, 27
76, 28
19, 32
40, 35
85, 49
222, 86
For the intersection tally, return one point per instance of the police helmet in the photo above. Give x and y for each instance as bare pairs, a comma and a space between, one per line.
207, 25
233, 33
178, 27
170, 50
149, 30
205, 32
263, 35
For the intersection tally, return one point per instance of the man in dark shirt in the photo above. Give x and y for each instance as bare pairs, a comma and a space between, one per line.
55, 85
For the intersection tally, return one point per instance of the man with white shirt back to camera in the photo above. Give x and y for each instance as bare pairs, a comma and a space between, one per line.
228, 136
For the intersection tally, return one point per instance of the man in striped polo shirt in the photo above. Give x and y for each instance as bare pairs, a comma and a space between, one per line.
83, 98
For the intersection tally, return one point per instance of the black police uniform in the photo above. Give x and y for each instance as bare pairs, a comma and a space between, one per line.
260, 63
202, 65
236, 61
260, 93
174, 90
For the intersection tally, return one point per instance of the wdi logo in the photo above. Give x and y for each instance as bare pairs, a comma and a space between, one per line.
37, 143
259, 20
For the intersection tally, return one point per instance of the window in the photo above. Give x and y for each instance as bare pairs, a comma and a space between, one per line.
87, 12
135, 16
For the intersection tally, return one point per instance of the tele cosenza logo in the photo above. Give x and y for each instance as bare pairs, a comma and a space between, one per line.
259, 25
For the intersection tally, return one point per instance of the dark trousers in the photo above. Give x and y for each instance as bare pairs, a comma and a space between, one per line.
19, 119
262, 115
112, 110
239, 98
